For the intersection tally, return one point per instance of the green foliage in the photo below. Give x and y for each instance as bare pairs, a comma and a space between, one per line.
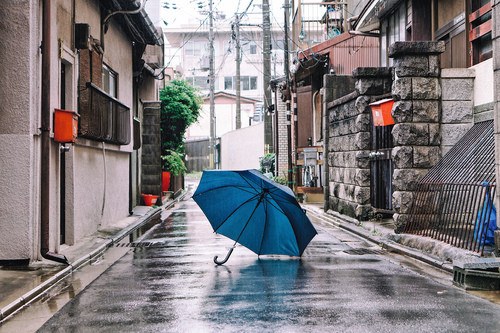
281, 180
173, 163
267, 163
180, 107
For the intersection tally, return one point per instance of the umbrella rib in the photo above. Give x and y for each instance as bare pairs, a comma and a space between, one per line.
244, 189
235, 210
265, 227
246, 224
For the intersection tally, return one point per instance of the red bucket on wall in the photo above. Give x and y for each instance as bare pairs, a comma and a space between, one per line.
149, 199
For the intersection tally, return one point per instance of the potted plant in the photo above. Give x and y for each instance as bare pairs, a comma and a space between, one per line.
173, 164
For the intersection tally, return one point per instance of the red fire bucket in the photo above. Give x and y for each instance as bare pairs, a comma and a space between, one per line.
149, 199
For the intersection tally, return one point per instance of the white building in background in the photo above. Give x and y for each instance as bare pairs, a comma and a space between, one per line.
189, 54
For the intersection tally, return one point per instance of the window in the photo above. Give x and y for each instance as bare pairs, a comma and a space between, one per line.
393, 29
195, 48
480, 31
228, 83
201, 82
248, 83
109, 81
249, 47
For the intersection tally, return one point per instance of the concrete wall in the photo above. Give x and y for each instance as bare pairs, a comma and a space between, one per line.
457, 100
19, 123
225, 118
241, 149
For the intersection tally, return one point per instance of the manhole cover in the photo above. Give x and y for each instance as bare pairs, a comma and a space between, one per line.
363, 251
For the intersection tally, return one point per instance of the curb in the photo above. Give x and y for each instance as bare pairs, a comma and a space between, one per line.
349, 225
38, 291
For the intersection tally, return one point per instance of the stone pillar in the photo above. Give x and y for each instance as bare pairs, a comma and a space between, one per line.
151, 149
417, 114
495, 35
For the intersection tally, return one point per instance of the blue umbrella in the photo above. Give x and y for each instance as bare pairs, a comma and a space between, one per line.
254, 211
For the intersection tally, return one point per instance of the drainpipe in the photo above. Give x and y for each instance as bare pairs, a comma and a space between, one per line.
45, 149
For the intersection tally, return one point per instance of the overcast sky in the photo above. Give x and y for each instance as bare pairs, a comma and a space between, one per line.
186, 10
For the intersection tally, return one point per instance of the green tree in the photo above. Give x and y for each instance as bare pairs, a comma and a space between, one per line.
180, 107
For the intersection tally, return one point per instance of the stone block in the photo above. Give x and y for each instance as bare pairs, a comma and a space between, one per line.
457, 112
362, 212
378, 86
350, 176
434, 65
407, 179
362, 177
426, 88
362, 104
434, 134
402, 201
402, 157
402, 89
402, 111
362, 195
363, 162
400, 221
412, 65
362, 123
457, 89
401, 49
451, 133
409, 134
347, 207
426, 157
362, 141
426, 111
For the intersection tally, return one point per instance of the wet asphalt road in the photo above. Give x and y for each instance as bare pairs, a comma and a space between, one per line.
339, 285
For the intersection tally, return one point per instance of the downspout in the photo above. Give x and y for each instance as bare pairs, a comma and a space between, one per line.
45, 144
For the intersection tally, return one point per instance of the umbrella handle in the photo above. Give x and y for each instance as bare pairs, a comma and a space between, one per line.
225, 259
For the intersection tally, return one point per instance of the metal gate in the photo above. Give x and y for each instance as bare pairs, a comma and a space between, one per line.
381, 168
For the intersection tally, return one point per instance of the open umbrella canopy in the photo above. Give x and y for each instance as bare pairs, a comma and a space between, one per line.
254, 211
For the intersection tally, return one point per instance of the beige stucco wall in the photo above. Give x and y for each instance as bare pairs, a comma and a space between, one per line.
241, 149
98, 176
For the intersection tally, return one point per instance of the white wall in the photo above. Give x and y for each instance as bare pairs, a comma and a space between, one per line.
241, 149
483, 85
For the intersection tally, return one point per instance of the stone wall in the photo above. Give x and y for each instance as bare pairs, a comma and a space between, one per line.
151, 149
416, 112
349, 142
457, 89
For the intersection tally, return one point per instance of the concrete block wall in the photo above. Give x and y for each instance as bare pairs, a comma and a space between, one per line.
457, 89
151, 176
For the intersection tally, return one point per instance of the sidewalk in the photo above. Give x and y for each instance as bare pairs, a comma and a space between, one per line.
19, 286
425, 249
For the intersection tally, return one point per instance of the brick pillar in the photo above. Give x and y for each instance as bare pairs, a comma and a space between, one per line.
151, 149
417, 114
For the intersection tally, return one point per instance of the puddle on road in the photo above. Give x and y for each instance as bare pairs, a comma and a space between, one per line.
32, 317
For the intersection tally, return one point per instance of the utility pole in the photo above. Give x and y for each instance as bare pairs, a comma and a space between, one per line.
288, 95
268, 124
238, 74
212, 88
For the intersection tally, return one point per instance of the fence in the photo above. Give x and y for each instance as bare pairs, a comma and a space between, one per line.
454, 201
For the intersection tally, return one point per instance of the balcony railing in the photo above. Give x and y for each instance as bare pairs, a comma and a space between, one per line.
103, 117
